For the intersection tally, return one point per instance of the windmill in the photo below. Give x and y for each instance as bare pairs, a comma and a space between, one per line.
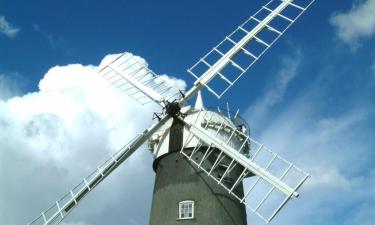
208, 168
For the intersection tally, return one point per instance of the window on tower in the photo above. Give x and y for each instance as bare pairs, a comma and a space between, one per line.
186, 210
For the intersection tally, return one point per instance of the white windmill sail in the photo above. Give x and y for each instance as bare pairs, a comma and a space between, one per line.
221, 67
276, 180
225, 63
131, 75
61, 208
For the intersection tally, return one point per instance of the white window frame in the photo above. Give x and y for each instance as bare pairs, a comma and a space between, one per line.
181, 215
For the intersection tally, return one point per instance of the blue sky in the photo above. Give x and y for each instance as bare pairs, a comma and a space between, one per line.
311, 98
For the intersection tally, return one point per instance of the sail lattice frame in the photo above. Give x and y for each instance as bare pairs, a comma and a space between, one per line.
270, 181
228, 61
131, 75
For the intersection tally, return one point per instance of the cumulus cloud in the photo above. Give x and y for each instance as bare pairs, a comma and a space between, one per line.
357, 23
52, 138
8, 29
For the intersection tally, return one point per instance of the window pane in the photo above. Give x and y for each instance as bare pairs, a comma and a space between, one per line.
186, 209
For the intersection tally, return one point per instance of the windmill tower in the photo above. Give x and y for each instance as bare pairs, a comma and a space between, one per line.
182, 191
208, 168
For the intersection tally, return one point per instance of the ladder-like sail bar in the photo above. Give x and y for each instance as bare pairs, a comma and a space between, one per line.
131, 75
269, 180
220, 68
61, 208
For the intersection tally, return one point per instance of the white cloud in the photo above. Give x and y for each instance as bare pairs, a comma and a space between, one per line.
52, 138
74, 223
330, 149
9, 85
7, 28
275, 93
52, 40
357, 23
337, 150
